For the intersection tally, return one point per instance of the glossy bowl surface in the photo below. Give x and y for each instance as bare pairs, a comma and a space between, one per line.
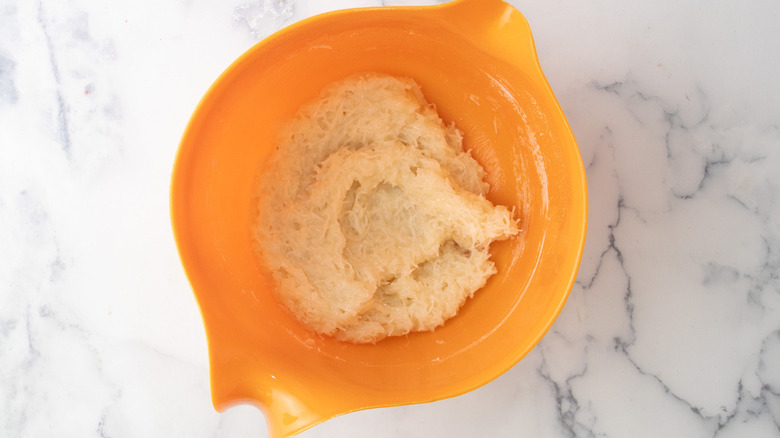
476, 61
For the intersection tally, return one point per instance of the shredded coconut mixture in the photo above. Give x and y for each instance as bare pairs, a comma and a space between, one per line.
372, 218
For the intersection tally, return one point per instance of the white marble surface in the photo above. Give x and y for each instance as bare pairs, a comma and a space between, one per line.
673, 327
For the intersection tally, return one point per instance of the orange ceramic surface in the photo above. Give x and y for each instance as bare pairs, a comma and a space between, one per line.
476, 61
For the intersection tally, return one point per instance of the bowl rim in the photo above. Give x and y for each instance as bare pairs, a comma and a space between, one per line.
579, 181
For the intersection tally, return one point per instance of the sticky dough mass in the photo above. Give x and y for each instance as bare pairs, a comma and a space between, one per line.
372, 219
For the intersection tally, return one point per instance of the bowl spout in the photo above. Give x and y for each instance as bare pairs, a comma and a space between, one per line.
495, 27
239, 375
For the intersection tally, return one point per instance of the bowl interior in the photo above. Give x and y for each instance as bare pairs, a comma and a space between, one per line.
514, 128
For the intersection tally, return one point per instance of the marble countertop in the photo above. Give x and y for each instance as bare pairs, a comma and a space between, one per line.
673, 326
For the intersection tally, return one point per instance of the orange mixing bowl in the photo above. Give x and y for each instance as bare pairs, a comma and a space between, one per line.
476, 61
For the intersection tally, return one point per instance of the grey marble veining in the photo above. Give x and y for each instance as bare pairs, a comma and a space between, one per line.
672, 328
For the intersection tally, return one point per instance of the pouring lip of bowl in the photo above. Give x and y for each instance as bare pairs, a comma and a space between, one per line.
179, 218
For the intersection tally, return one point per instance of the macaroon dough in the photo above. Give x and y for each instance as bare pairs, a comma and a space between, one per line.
371, 218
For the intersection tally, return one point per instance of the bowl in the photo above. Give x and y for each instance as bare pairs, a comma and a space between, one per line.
475, 60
